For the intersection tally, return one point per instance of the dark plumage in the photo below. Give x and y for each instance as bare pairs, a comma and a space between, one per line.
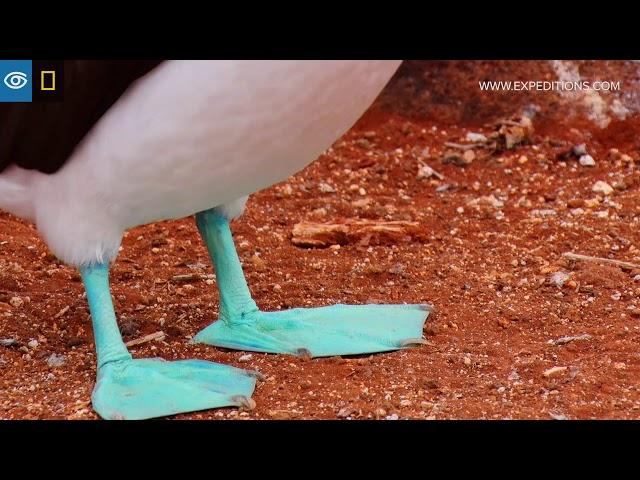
42, 136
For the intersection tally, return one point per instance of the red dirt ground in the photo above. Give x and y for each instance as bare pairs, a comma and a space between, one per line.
486, 268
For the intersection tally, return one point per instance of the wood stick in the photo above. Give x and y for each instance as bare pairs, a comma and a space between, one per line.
608, 261
61, 312
353, 231
147, 338
464, 146
190, 277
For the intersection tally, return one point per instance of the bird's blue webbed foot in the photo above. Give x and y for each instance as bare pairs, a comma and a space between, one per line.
315, 332
149, 387
135, 389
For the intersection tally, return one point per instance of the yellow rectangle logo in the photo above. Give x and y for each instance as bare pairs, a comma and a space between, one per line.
51, 83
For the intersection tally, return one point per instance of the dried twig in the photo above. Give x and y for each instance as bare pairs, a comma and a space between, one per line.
61, 312
190, 277
363, 232
565, 340
464, 146
147, 338
608, 261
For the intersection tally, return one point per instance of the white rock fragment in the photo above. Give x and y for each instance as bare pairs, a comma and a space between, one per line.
55, 360
245, 358
425, 171
559, 278
587, 161
345, 412
476, 137
602, 187
326, 188
32, 344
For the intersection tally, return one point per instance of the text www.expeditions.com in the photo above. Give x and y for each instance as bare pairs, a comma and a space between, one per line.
547, 86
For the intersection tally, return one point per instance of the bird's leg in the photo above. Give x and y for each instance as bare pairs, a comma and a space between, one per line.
323, 331
147, 388
236, 304
109, 344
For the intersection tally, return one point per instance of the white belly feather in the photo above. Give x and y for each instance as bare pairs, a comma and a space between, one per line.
193, 135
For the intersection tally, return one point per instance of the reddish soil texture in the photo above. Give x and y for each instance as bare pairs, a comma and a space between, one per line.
491, 249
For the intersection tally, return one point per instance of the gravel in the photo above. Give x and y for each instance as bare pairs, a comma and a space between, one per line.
602, 187
55, 360
587, 161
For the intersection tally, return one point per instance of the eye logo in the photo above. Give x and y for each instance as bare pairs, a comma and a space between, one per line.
15, 80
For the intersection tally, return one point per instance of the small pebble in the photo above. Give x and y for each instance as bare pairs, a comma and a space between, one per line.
587, 161
602, 187
56, 360
559, 278
345, 412
32, 344
476, 137
580, 150
393, 416
469, 156
326, 188
406, 403
245, 358
16, 302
